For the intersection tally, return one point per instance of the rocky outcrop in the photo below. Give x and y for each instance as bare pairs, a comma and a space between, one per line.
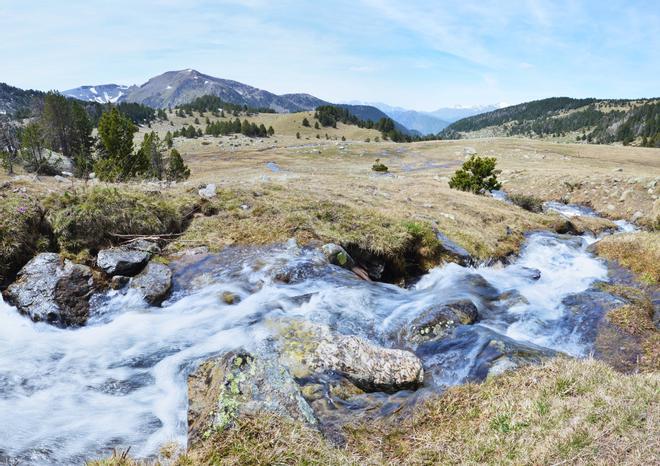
53, 290
309, 349
122, 260
153, 283
237, 384
437, 321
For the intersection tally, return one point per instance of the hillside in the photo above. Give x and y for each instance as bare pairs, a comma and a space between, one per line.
13, 99
591, 120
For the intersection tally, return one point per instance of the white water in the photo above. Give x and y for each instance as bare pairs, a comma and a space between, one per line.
67, 395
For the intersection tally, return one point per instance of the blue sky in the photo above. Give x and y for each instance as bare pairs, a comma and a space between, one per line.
416, 54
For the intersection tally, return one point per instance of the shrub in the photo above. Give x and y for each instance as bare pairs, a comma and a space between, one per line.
477, 175
177, 170
527, 202
379, 166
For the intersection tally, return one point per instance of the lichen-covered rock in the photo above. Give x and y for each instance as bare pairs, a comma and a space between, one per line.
337, 255
52, 290
122, 261
237, 384
437, 321
312, 349
153, 283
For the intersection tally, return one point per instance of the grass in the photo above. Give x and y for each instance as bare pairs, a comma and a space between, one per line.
90, 219
639, 252
23, 232
527, 202
564, 412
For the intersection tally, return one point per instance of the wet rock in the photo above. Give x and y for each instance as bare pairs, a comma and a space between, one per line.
52, 290
237, 384
532, 274
453, 249
337, 255
119, 281
312, 349
122, 261
153, 283
437, 321
230, 298
480, 286
370, 367
143, 245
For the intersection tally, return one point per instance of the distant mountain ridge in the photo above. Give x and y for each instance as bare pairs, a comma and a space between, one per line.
428, 122
180, 87
593, 120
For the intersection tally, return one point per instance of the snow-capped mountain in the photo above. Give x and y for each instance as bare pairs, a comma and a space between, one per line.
103, 94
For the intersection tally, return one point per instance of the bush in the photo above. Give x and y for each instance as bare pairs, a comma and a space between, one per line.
527, 202
177, 170
477, 175
379, 167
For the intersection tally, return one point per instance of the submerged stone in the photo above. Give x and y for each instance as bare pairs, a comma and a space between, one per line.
437, 321
153, 283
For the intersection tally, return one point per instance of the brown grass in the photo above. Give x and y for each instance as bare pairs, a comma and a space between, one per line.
639, 252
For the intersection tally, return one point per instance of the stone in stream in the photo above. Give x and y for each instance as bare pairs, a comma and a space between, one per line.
122, 260
153, 283
53, 290
309, 349
436, 321
337, 255
236, 384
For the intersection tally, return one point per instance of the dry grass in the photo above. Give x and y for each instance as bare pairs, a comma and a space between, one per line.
639, 252
565, 412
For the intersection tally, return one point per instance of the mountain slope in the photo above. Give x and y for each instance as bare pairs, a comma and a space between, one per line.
13, 99
593, 120
103, 94
419, 121
370, 113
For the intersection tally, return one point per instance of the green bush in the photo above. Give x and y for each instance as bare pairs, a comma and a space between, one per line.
477, 175
379, 166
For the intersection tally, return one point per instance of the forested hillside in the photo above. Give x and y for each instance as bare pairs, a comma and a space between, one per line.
590, 120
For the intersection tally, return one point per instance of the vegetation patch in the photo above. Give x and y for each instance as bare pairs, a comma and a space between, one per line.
92, 219
23, 232
639, 252
526, 202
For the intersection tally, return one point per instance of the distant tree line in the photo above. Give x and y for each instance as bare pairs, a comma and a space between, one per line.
212, 103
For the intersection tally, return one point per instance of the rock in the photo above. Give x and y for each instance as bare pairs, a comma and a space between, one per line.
309, 349
370, 367
118, 282
154, 283
532, 274
636, 216
625, 195
143, 245
453, 249
122, 261
208, 192
237, 384
468, 151
230, 298
337, 255
52, 290
437, 321
618, 169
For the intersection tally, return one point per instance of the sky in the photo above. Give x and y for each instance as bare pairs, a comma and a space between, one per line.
417, 54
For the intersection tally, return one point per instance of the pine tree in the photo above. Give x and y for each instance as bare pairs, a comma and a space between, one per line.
116, 147
81, 141
150, 153
176, 168
169, 141
316, 125
297, 135
33, 147
305, 122
271, 131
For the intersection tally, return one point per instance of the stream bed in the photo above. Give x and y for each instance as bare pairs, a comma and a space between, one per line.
67, 395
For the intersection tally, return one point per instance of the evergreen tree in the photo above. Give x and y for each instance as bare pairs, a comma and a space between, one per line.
298, 135
56, 123
33, 148
117, 160
305, 122
176, 168
81, 141
316, 125
169, 141
9, 145
271, 131
150, 155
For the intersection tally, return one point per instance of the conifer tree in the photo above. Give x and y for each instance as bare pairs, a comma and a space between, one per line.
176, 168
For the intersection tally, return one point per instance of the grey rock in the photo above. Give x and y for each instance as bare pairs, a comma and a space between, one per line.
52, 290
337, 255
119, 281
208, 192
153, 283
437, 321
122, 261
225, 388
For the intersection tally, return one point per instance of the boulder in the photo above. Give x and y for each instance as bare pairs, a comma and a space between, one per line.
208, 192
53, 290
309, 349
153, 283
122, 261
437, 321
337, 255
224, 388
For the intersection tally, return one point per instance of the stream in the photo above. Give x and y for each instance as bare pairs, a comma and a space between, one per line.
67, 395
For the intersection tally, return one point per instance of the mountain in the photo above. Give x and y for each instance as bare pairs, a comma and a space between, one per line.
368, 112
180, 87
13, 99
103, 94
452, 114
419, 121
594, 120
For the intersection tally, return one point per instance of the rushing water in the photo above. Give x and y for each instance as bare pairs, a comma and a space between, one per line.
70, 394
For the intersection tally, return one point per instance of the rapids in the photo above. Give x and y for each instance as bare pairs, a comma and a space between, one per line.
67, 395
